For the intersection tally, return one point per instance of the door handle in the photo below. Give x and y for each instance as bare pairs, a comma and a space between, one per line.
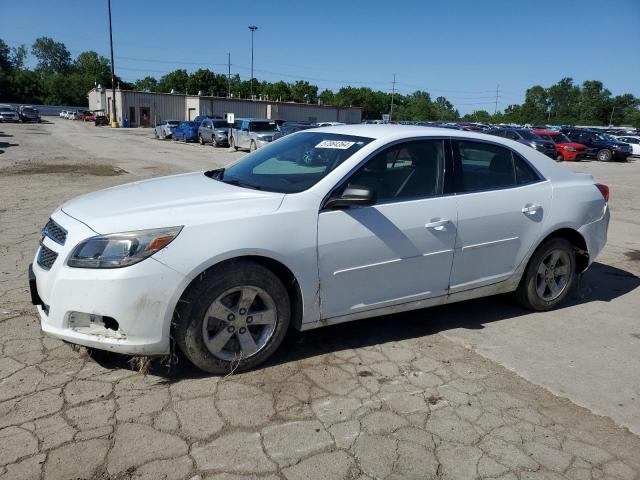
530, 209
437, 224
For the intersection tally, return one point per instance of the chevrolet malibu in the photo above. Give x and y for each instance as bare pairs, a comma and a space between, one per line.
318, 228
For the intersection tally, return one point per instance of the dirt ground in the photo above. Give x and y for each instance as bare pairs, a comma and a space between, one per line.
479, 389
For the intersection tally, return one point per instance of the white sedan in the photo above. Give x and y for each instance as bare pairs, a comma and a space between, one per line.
632, 140
321, 227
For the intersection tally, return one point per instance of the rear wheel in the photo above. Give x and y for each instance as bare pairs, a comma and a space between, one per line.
252, 146
232, 144
605, 155
548, 277
200, 140
559, 157
155, 132
234, 319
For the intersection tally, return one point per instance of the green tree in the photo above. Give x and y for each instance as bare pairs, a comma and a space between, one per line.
303, 92
564, 98
444, 110
277, 91
53, 57
481, 116
327, 97
177, 81
146, 84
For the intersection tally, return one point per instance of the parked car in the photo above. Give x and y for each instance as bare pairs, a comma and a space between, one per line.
251, 133
526, 137
200, 118
288, 128
73, 115
186, 131
214, 131
100, 118
62, 113
566, 149
321, 227
600, 145
632, 140
89, 117
165, 128
28, 113
8, 114
329, 124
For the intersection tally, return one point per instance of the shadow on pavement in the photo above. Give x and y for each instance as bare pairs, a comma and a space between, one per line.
601, 283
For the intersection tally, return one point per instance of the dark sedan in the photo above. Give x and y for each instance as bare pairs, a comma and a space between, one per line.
527, 137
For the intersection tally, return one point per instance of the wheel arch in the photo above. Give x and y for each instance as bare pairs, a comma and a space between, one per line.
284, 274
576, 239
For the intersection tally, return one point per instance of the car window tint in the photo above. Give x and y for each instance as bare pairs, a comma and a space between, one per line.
524, 173
408, 170
483, 167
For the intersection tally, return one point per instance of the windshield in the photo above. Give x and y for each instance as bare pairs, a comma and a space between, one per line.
528, 135
220, 124
262, 126
607, 137
294, 163
173, 123
560, 138
5, 109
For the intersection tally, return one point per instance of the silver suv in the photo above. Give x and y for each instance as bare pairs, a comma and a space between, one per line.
251, 133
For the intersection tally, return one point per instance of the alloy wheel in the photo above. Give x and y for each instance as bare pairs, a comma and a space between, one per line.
239, 323
553, 275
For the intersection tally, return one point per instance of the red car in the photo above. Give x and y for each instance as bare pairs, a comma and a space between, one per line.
567, 150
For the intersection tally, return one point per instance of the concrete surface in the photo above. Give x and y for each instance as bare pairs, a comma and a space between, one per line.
395, 397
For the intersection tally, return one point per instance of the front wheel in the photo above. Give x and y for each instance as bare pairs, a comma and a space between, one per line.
233, 319
252, 146
232, 144
548, 277
200, 140
559, 158
605, 155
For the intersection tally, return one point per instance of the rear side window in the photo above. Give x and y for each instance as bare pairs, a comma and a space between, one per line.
483, 166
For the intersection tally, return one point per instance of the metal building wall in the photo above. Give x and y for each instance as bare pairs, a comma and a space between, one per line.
162, 106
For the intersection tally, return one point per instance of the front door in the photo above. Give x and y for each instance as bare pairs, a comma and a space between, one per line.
502, 204
145, 121
397, 251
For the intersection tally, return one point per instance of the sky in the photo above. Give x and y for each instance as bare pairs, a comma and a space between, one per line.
461, 49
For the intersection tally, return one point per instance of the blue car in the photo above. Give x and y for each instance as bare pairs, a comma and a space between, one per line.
186, 132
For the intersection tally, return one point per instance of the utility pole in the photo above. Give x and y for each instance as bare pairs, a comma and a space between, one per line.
611, 117
229, 75
497, 94
114, 117
253, 29
393, 93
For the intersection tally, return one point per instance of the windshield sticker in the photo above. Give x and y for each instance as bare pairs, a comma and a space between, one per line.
339, 144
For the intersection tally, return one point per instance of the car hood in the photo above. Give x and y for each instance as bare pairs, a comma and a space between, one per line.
187, 199
571, 144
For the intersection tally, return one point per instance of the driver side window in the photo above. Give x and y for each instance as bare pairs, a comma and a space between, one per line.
407, 170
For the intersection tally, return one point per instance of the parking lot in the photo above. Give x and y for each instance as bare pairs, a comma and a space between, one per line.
480, 389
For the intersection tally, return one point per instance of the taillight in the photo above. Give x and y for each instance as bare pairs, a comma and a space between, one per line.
604, 190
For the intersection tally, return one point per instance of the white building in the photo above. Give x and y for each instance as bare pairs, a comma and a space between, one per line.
145, 109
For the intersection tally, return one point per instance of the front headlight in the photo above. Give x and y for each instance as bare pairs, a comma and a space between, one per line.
121, 249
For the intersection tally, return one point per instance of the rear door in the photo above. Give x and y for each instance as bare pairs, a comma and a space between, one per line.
399, 250
502, 203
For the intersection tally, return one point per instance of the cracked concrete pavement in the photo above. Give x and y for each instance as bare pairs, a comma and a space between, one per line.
387, 398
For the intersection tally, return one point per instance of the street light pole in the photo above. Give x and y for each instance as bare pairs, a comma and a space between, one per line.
114, 117
253, 29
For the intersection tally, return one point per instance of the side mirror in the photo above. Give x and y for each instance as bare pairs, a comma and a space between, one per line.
353, 195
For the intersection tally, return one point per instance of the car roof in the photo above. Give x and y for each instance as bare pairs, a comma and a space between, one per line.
546, 132
381, 131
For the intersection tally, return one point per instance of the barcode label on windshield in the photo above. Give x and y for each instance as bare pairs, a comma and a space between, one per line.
339, 144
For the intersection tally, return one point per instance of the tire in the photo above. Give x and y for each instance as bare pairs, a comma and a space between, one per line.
535, 291
252, 146
200, 140
218, 294
155, 133
559, 158
232, 144
604, 155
